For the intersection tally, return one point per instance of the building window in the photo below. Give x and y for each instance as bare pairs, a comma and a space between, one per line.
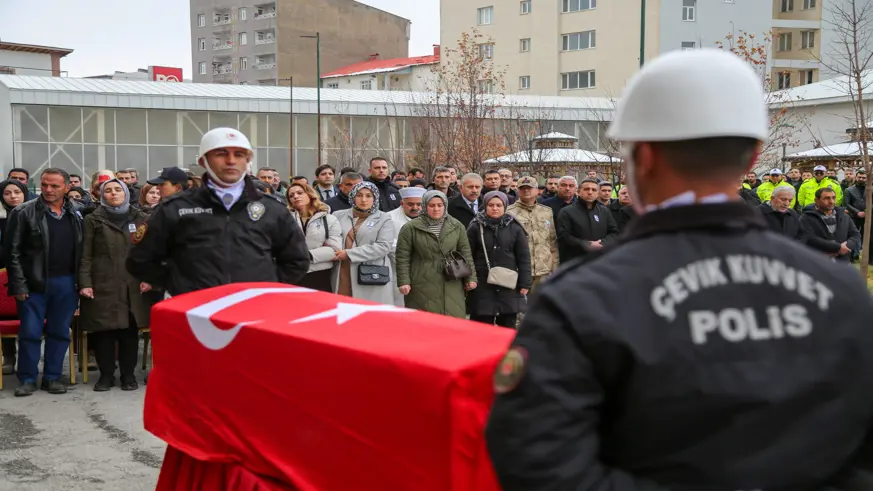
524, 82
807, 39
578, 40
201, 20
784, 80
807, 77
366, 84
577, 80
243, 63
486, 86
485, 16
808, 4
688, 45
202, 68
243, 38
688, 10
524, 45
785, 41
486, 51
333, 85
525, 7
787, 5
577, 5
201, 44
243, 15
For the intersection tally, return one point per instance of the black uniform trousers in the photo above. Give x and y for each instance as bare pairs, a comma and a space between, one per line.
502, 320
127, 340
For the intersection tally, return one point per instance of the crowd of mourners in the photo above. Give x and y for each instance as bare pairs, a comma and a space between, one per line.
468, 246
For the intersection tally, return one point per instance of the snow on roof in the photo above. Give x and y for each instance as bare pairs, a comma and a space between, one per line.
382, 66
826, 92
840, 150
91, 92
555, 136
552, 156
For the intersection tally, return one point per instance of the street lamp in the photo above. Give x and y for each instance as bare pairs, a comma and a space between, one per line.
290, 81
642, 32
317, 38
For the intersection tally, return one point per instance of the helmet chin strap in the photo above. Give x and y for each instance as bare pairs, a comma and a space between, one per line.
216, 179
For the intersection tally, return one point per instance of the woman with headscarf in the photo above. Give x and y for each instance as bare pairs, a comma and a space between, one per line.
112, 307
422, 248
323, 235
498, 241
367, 237
13, 193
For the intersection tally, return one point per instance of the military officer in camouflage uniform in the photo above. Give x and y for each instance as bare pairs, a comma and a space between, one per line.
538, 222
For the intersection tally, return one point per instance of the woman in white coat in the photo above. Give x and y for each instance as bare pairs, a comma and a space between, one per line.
323, 235
367, 235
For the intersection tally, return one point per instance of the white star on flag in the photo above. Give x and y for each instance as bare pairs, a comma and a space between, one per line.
345, 312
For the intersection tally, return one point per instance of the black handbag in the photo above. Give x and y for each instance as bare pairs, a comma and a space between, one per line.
372, 274
456, 267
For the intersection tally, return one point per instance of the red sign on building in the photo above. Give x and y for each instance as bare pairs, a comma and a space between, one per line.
165, 74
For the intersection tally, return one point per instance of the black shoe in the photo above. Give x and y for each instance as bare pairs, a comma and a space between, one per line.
105, 383
53, 386
25, 389
129, 384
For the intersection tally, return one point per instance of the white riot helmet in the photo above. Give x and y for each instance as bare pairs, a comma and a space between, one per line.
687, 95
222, 138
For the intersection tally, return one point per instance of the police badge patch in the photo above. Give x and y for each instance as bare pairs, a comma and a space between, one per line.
510, 370
256, 210
140, 233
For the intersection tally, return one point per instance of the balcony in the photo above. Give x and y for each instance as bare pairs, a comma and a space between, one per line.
265, 63
265, 37
265, 11
221, 19
222, 69
221, 45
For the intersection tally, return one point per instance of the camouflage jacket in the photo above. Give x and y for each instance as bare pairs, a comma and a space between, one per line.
539, 224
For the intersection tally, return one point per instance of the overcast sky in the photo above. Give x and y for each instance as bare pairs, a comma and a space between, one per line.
124, 35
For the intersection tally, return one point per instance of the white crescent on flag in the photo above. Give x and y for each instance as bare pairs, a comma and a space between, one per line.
210, 335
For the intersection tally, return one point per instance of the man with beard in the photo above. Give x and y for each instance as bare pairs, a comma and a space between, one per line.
389, 195
341, 200
856, 203
622, 209
551, 188
585, 226
410, 207
779, 215
829, 229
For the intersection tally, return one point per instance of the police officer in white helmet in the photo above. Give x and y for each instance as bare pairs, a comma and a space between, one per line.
225, 232
703, 352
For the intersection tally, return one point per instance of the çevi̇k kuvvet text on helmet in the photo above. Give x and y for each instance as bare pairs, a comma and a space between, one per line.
687, 95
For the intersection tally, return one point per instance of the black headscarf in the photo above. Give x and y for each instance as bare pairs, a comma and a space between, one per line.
3, 186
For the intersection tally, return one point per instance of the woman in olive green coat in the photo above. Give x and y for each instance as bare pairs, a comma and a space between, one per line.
422, 247
112, 306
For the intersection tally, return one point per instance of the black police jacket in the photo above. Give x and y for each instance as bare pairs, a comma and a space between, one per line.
26, 244
389, 194
192, 242
703, 353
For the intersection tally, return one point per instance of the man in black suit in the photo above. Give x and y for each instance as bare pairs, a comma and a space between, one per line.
466, 205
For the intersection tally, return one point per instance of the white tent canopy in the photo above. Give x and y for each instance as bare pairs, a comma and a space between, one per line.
554, 156
845, 151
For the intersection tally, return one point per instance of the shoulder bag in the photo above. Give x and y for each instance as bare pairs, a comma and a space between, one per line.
498, 275
456, 267
371, 274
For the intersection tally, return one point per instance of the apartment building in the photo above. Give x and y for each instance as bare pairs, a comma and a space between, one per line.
592, 47
237, 42
414, 74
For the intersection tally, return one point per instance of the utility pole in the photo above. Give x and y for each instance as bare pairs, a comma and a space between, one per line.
642, 32
317, 38
290, 81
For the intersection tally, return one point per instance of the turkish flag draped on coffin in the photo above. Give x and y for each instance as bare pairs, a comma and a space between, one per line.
322, 392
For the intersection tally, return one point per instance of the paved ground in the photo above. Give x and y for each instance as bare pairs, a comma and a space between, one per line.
83, 440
